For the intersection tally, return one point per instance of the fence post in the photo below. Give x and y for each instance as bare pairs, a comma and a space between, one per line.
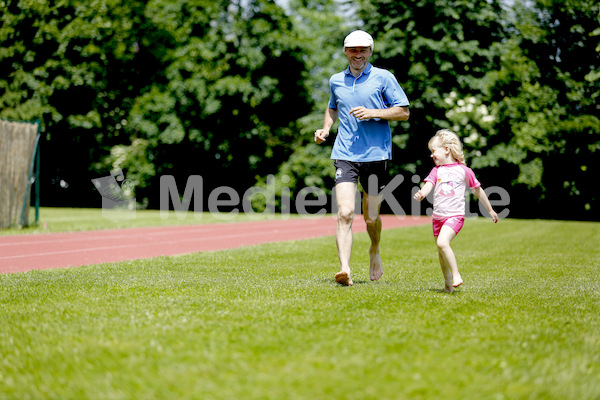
18, 143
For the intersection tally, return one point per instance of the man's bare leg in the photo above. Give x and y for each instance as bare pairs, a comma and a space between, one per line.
345, 194
371, 206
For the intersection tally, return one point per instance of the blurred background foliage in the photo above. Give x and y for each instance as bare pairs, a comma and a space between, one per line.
233, 90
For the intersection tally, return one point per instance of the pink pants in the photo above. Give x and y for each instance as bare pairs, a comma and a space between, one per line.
456, 223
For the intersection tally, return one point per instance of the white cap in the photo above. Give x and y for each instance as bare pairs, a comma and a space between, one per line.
359, 39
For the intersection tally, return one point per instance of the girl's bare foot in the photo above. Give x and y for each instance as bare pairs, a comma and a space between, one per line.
376, 268
343, 278
448, 288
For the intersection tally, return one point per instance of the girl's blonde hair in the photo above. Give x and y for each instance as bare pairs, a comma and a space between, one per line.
449, 139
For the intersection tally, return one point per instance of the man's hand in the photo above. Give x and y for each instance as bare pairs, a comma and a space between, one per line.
396, 113
362, 113
321, 136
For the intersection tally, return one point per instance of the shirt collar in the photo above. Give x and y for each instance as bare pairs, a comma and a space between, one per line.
366, 71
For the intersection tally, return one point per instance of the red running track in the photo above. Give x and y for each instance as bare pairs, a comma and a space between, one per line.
21, 253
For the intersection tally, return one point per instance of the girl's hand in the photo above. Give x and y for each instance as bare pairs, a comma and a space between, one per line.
419, 196
494, 216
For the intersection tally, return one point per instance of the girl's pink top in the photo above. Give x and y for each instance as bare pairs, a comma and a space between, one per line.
449, 184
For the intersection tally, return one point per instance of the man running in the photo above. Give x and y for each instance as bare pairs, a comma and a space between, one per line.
364, 98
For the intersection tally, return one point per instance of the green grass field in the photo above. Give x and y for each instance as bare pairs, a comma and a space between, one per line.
269, 322
84, 219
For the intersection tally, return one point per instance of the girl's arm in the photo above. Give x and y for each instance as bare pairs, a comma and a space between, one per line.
480, 193
421, 194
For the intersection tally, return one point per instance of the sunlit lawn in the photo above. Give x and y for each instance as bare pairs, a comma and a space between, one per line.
83, 219
269, 322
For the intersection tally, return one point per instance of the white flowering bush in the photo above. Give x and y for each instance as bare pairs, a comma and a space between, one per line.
471, 119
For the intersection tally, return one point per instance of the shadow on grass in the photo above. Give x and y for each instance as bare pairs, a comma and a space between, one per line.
442, 291
359, 282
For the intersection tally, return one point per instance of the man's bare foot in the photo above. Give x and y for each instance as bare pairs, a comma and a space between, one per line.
343, 278
448, 288
375, 268
457, 283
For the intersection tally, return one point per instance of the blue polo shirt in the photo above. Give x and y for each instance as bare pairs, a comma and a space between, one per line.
367, 140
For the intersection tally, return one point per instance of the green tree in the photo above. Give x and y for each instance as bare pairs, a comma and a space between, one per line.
541, 136
518, 83
76, 66
560, 133
231, 92
152, 87
433, 48
320, 26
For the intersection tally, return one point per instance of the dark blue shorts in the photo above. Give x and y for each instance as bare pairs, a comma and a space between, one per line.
373, 175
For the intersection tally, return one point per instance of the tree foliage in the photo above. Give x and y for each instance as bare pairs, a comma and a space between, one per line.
152, 88
232, 90
519, 83
309, 164
77, 66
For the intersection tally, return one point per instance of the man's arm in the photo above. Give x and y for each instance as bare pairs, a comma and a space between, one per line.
397, 113
329, 119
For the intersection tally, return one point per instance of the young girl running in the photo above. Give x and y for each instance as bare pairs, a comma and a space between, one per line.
450, 177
